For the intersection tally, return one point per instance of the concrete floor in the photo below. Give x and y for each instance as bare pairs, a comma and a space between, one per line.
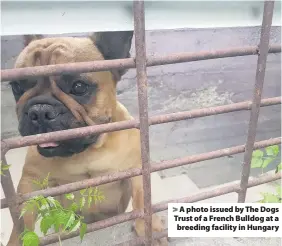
180, 87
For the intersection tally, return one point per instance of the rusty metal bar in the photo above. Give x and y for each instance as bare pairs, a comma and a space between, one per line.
75, 186
141, 71
260, 74
18, 142
158, 166
199, 196
11, 198
210, 155
84, 67
220, 190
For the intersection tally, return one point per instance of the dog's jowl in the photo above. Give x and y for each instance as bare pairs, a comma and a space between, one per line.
68, 101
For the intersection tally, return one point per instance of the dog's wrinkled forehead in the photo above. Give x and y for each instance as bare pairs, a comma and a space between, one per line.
49, 51
59, 50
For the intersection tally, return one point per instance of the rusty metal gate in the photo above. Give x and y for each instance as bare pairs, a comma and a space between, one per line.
140, 62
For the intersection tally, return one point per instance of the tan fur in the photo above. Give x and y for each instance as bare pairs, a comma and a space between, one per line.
115, 151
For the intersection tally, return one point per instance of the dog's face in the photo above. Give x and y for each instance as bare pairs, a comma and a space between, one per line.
68, 101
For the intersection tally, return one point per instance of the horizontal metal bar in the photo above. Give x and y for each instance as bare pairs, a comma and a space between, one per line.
220, 190
83, 67
19, 142
136, 172
158, 166
199, 196
62, 189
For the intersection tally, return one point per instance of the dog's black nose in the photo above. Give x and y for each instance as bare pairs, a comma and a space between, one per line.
41, 113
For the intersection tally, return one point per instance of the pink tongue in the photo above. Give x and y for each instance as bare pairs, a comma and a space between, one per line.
45, 145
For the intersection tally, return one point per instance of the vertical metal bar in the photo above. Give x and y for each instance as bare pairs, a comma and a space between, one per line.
11, 197
260, 74
139, 28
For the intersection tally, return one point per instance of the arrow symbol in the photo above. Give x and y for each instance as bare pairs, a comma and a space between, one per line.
174, 209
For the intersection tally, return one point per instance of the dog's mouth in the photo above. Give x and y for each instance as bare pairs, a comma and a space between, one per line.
66, 148
50, 145
48, 149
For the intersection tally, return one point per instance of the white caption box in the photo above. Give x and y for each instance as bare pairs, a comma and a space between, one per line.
224, 220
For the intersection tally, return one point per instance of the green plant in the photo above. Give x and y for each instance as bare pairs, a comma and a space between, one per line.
261, 159
54, 216
4, 168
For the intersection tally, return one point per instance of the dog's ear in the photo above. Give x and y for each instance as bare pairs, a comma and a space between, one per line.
29, 38
114, 45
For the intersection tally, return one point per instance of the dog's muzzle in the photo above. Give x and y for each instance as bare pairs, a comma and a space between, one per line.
42, 114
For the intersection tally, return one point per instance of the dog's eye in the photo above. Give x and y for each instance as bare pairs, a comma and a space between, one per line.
79, 88
17, 88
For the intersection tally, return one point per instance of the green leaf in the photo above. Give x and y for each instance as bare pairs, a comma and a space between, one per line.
96, 190
82, 202
98, 196
44, 204
278, 168
89, 201
30, 238
257, 154
82, 191
90, 190
30, 205
45, 182
70, 220
69, 196
266, 162
53, 202
75, 226
23, 211
61, 219
270, 198
272, 150
101, 198
73, 207
23, 233
36, 182
46, 223
256, 163
83, 229
6, 167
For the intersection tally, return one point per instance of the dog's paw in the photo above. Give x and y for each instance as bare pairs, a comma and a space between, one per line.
157, 226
